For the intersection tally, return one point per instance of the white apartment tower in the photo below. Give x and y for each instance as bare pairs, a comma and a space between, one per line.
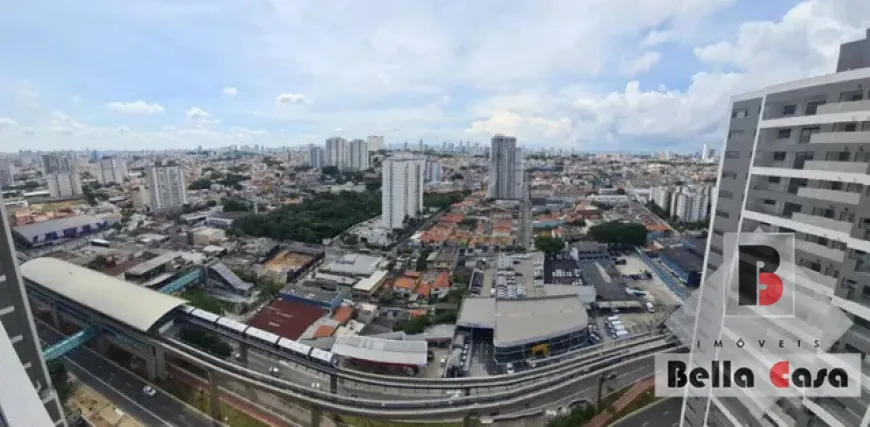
316, 157
64, 184
7, 172
358, 155
111, 170
167, 187
433, 171
505, 169
376, 143
401, 190
336, 152
797, 160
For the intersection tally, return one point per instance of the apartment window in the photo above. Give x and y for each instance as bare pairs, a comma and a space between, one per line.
837, 156
789, 110
812, 107
783, 133
718, 232
723, 214
735, 134
779, 156
769, 202
716, 250
726, 194
739, 113
727, 174
806, 133
851, 127
773, 179
732, 154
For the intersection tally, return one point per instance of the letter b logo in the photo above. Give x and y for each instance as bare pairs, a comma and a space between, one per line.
758, 283
761, 279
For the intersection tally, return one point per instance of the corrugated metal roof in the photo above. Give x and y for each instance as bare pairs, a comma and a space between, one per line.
524, 321
40, 229
382, 351
123, 301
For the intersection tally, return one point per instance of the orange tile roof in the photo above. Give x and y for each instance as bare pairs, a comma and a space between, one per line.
342, 314
405, 283
424, 290
324, 331
657, 227
412, 274
442, 281
416, 313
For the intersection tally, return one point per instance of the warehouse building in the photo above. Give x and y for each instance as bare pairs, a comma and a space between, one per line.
684, 263
57, 230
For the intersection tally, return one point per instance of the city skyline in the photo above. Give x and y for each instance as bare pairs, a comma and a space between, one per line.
219, 74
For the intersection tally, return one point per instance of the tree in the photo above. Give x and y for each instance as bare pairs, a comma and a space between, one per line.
206, 341
234, 205
620, 233
59, 379
331, 171
549, 245
351, 239
200, 184
578, 222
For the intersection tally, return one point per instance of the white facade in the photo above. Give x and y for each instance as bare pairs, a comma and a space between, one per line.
167, 187
111, 170
433, 171
376, 143
58, 162
64, 184
7, 172
336, 152
661, 196
402, 190
691, 207
505, 168
358, 153
316, 158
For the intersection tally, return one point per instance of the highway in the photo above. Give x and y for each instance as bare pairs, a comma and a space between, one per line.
123, 388
664, 413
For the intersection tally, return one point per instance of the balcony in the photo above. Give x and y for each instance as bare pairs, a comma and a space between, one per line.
836, 196
848, 167
844, 107
840, 138
842, 414
827, 223
820, 251
815, 281
765, 209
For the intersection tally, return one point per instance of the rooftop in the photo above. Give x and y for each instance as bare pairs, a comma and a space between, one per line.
382, 350
123, 301
153, 263
355, 264
39, 229
477, 313
608, 284
287, 319
523, 321
687, 260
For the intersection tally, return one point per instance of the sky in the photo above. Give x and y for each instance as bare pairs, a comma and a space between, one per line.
592, 75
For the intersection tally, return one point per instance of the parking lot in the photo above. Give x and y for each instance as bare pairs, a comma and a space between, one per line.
659, 293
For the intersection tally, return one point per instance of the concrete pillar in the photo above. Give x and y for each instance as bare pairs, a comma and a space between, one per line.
102, 343
333, 383
469, 420
150, 364
316, 413
215, 395
243, 352
55, 316
160, 360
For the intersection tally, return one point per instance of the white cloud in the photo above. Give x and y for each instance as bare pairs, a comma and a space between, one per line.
639, 65
135, 108
230, 92
198, 116
291, 98
6, 124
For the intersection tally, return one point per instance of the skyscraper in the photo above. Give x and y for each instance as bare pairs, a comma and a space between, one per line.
30, 399
796, 161
316, 157
167, 187
112, 170
58, 162
376, 143
358, 155
401, 190
336, 152
505, 169
433, 171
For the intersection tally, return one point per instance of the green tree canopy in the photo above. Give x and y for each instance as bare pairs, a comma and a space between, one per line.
549, 245
620, 233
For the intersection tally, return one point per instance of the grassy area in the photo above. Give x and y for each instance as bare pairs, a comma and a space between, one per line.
360, 422
202, 401
645, 399
201, 299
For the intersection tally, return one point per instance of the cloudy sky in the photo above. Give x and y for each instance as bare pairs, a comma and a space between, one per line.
594, 75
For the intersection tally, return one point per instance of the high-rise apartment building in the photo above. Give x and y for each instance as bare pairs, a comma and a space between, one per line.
316, 157
401, 190
433, 171
505, 169
691, 206
7, 172
797, 160
336, 152
58, 162
111, 170
376, 143
29, 398
358, 155
64, 184
167, 187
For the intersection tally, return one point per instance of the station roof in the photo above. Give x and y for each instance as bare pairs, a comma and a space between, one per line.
527, 321
687, 260
385, 351
137, 307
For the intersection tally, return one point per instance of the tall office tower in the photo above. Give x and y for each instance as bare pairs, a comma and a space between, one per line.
376, 143
336, 152
167, 187
401, 190
7, 172
704, 153
433, 171
58, 162
64, 184
112, 170
27, 397
505, 169
358, 155
799, 152
316, 157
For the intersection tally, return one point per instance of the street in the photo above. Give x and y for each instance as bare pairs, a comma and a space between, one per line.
664, 413
124, 388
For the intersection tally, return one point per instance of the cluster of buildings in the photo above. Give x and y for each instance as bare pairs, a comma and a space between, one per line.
687, 203
343, 154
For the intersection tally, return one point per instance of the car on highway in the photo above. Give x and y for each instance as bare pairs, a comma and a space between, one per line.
274, 371
149, 391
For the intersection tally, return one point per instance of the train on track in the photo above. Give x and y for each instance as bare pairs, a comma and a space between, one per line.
295, 348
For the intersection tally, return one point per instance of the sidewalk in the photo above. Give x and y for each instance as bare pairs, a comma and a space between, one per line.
633, 393
232, 401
